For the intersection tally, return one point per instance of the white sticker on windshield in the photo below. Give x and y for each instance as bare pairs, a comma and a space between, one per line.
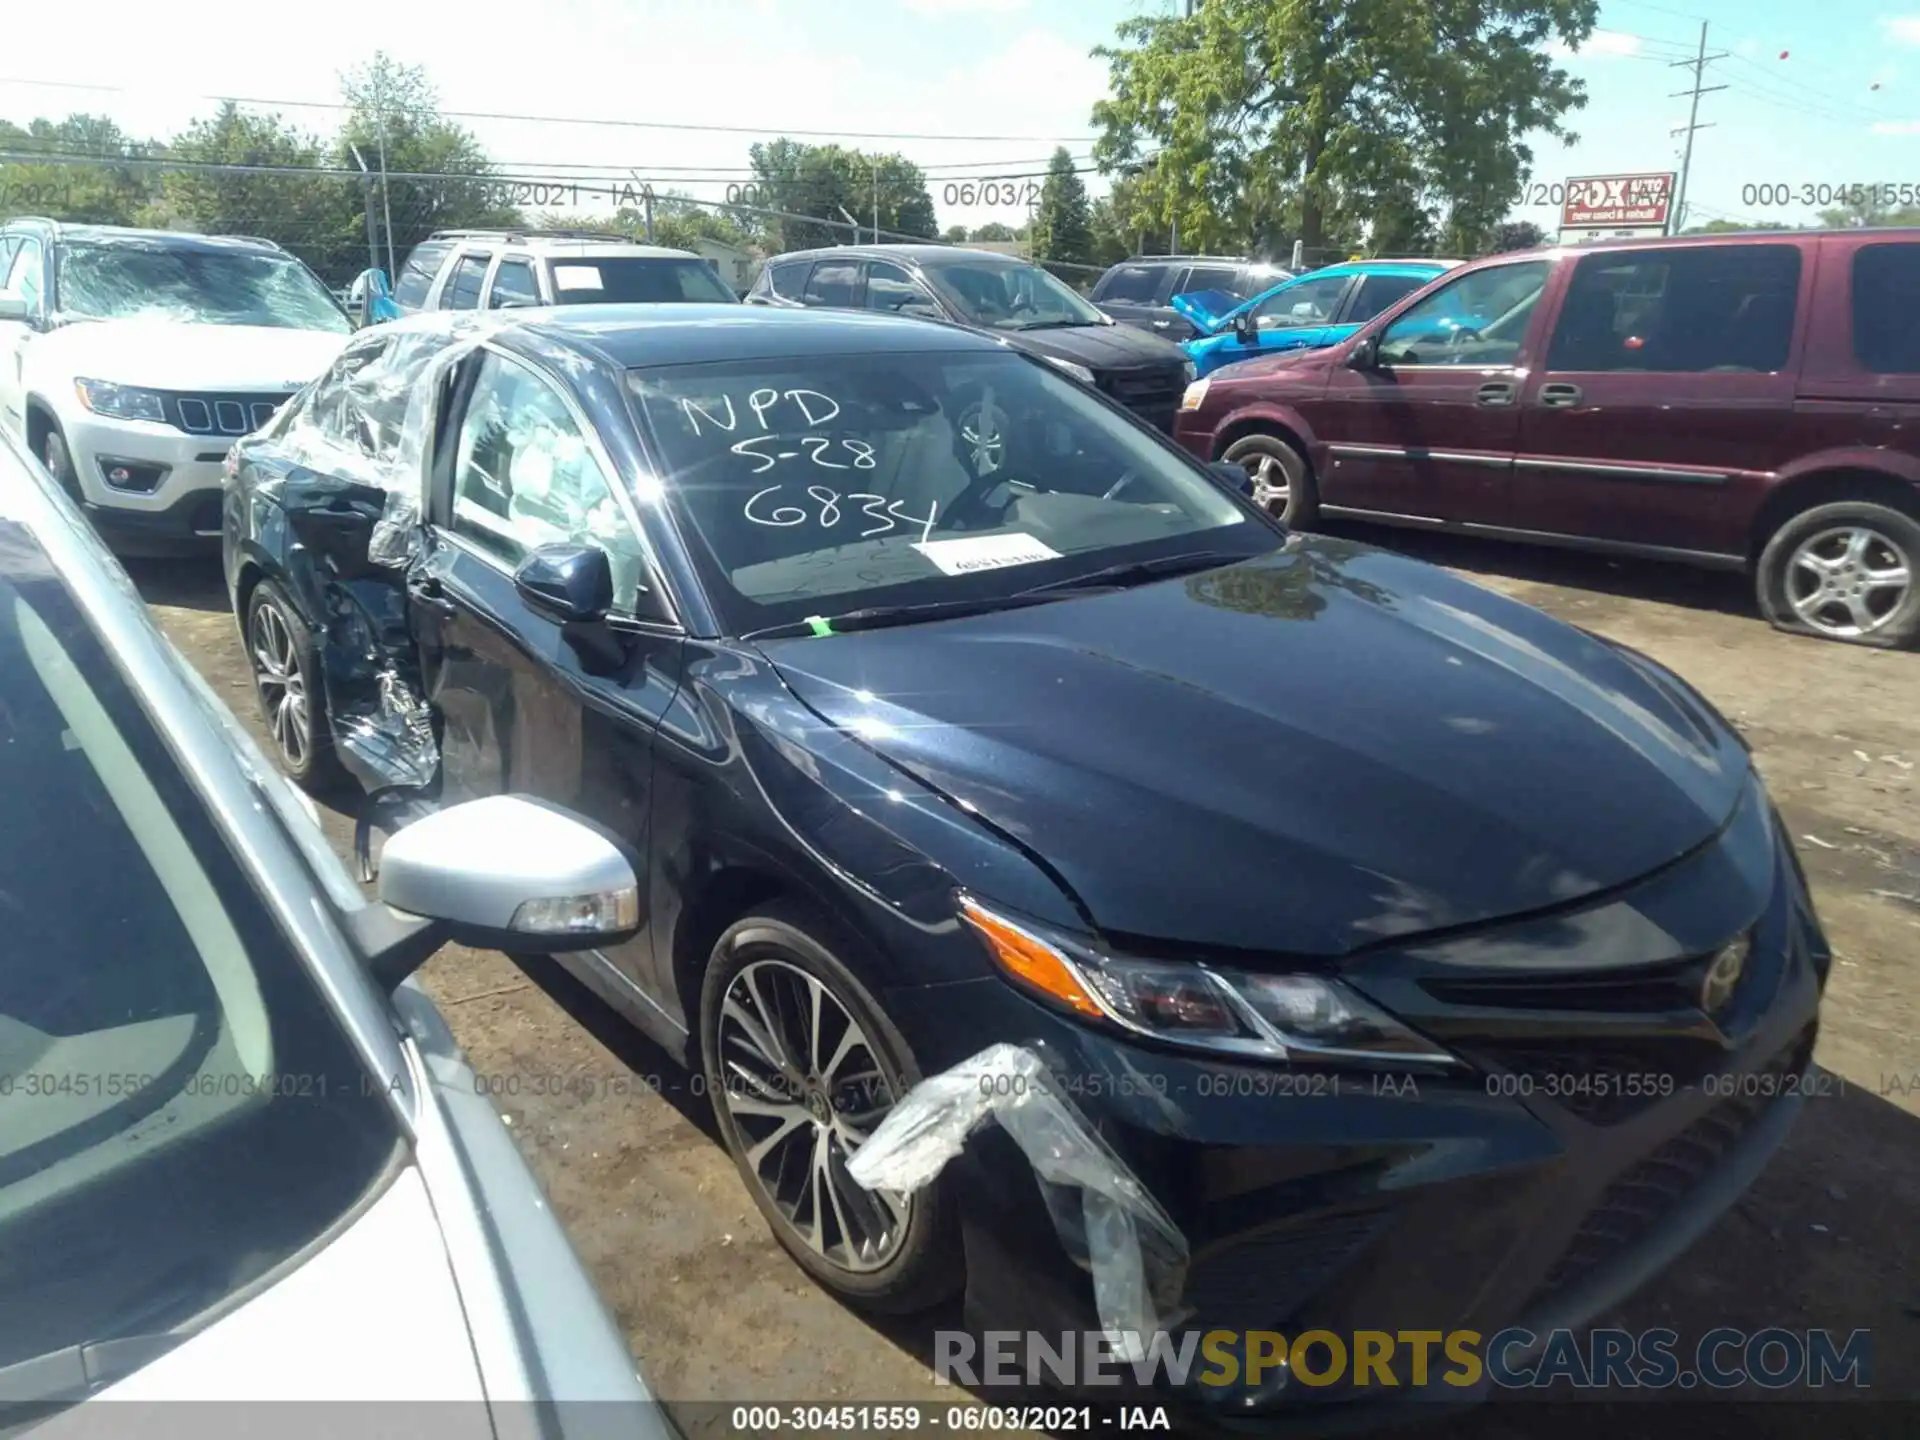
577, 277
984, 552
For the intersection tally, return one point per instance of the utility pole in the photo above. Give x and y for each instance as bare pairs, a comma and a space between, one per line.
1698, 65
386, 205
876, 202
366, 179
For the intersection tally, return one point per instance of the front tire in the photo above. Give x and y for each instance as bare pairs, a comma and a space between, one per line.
801, 1063
1282, 481
1845, 571
285, 661
59, 462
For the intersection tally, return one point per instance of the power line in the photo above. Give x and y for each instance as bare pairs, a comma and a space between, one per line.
434, 110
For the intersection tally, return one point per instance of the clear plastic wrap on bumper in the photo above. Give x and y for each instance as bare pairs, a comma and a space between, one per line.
1109, 1223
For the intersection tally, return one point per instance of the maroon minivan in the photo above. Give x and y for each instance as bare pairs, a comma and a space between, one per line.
1740, 401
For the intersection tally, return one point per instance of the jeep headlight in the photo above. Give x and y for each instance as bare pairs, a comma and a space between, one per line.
120, 402
1286, 1016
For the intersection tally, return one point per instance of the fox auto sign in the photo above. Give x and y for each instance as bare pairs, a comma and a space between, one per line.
1618, 202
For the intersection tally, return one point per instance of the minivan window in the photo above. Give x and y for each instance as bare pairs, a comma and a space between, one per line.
1723, 308
1886, 298
1479, 319
416, 276
1137, 283
186, 1113
463, 286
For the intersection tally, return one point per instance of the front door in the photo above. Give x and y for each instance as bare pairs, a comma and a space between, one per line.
1429, 429
526, 707
1668, 385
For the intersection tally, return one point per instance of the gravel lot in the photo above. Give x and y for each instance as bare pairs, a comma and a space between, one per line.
1828, 1238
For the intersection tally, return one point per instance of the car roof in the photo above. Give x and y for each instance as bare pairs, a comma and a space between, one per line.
566, 247
634, 336
904, 252
1868, 233
131, 235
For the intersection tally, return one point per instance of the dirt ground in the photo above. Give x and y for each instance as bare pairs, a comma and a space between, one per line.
1827, 1238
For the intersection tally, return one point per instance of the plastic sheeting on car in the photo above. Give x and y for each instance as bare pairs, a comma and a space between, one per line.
1112, 1226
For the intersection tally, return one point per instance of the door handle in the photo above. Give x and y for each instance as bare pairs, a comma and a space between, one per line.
430, 594
1494, 393
1559, 396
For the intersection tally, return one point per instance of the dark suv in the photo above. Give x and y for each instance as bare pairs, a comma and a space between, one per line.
1140, 291
1741, 401
1000, 294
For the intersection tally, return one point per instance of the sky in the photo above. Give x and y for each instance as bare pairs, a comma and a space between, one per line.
1816, 96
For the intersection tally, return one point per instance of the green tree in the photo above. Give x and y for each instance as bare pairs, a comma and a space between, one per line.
1727, 227
993, 230
1863, 213
1063, 221
1249, 115
1517, 235
394, 108
98, 190
954, 234
828, 183
315, 216
1110, 244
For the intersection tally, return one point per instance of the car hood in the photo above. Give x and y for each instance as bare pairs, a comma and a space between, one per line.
173, 355
1210, 311
1099, 347
314, 1336
1306, 753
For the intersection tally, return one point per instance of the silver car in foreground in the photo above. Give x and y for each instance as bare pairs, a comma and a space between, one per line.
241, 1157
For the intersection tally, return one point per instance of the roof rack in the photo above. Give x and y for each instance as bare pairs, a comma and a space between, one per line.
45, 220
521, 236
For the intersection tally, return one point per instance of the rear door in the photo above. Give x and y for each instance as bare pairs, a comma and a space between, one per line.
524, 705
1429, 431
1667, 385
461, 288
515, 284
1136, 294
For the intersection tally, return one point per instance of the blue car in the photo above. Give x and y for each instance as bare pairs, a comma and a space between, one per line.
1303, 313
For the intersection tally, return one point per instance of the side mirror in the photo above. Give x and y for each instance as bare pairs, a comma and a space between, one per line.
1366, 354
1244, 329
15, 307
570, 583
503, 873
1236, 476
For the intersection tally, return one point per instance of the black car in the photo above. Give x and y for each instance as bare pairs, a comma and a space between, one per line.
945, 704
1000, 294
1139, 291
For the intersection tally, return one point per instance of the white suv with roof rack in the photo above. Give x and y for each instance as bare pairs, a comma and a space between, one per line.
131, 360
508, 269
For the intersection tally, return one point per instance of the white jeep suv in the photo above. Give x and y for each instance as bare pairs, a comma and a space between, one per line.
130, 360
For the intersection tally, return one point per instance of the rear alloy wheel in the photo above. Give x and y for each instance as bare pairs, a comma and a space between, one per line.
1845, 572
1282, 484
802, 1066
286, 676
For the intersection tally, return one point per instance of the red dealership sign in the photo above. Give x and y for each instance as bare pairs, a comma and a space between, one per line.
1639, 201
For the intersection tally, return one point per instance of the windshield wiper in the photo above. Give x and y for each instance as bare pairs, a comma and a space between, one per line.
1060, 325
1135, 572
877, 617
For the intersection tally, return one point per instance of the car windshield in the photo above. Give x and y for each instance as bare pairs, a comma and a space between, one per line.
637, 280
230, 287
180, 1113
1009, 295
824, 483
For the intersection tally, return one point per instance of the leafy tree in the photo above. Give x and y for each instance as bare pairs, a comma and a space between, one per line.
1516, 235
821, 181
1248, 115
1110, 244
315, 216
1725, 227
394, 106
954, 234
104, 194
1063, 221
1864, 213
995, 231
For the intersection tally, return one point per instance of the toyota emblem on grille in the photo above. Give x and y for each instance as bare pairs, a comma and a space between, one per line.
1723, 975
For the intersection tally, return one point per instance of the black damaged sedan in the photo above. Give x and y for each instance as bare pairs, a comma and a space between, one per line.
1433, 963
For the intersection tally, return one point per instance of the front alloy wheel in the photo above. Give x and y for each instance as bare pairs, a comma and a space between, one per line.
282, 685
803, 1084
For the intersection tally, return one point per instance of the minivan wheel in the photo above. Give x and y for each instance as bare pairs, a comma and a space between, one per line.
286, 676
801, 1064
1844, 571
1282, 484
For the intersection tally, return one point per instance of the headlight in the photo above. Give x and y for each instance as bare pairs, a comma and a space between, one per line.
1190, 370
1196, 392
120, 402
1259, 1016
1079, 372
